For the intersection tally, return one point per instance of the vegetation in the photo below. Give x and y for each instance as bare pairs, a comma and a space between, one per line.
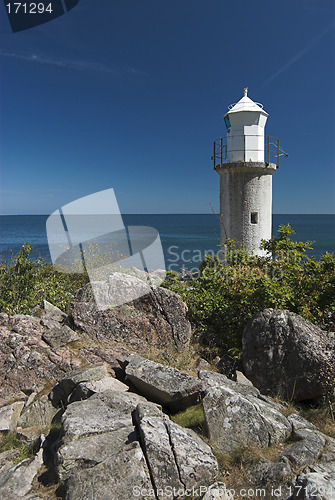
220, 302
10, 441
25, 282
227, 294
193, 417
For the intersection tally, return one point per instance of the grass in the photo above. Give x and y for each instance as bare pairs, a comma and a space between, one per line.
321, 418
10, 441
184, 361
233, 467
192, 418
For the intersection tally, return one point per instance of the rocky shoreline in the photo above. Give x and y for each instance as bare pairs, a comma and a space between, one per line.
96, 416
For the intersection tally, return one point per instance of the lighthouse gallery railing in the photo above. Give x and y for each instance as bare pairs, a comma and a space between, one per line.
272, 151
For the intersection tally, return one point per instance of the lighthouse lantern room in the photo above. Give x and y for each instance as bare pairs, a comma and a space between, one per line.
246, 163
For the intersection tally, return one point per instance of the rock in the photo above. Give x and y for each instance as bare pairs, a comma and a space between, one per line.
16, 481
24, 324
202, 364
287, 356
27, 363
227, 365
48, 310
163, 384
159, 319
120, 288
39, 413
328, 453
104, 412
9, 415
7, 458
266, 472
307, 449
217, 491
97, 354
29, 435
316, 482
61, 392
298, 423
121, 476
99, 455
85, 390
177, 457
157, 447
212, 379
242, 379
4, 319
235, 421
196, 463
92, 450
59, 337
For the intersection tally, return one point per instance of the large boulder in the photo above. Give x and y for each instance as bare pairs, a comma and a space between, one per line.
122, 475
236, 419
177, 457
158, 318
27, 363
156, 442
212, 379
92, 449
287, 356
115, 444
163, 384
102, 412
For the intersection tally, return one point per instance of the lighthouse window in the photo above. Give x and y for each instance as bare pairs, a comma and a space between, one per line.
227, 122
254, 217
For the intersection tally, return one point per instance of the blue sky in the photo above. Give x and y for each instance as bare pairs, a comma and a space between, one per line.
130, 94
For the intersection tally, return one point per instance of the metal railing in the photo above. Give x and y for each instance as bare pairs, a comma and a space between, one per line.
272, 151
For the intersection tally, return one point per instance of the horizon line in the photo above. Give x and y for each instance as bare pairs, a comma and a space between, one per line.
158, 213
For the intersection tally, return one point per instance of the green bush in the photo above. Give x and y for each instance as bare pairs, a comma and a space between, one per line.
227, 294
25, 282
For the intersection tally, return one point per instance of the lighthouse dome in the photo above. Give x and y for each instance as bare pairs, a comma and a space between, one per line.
246, 104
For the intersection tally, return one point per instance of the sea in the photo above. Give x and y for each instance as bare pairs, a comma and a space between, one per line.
185, 238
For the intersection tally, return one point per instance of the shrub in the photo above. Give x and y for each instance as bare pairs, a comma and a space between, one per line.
25, 282
228, 293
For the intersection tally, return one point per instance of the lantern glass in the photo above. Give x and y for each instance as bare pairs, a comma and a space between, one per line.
227, 122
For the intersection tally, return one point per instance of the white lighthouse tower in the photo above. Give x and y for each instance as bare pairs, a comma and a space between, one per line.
246, 175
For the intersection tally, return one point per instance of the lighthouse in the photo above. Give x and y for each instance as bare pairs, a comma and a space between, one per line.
246, 161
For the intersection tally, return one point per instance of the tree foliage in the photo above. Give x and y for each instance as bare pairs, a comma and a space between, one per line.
25, 282
228, 293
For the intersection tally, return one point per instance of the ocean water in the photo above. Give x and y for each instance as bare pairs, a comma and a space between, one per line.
185, 238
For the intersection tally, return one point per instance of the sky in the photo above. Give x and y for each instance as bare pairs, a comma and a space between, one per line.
130, 95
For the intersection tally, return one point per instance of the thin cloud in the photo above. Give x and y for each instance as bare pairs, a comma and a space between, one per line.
135, 71
71, 64
299, 54
61, 63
